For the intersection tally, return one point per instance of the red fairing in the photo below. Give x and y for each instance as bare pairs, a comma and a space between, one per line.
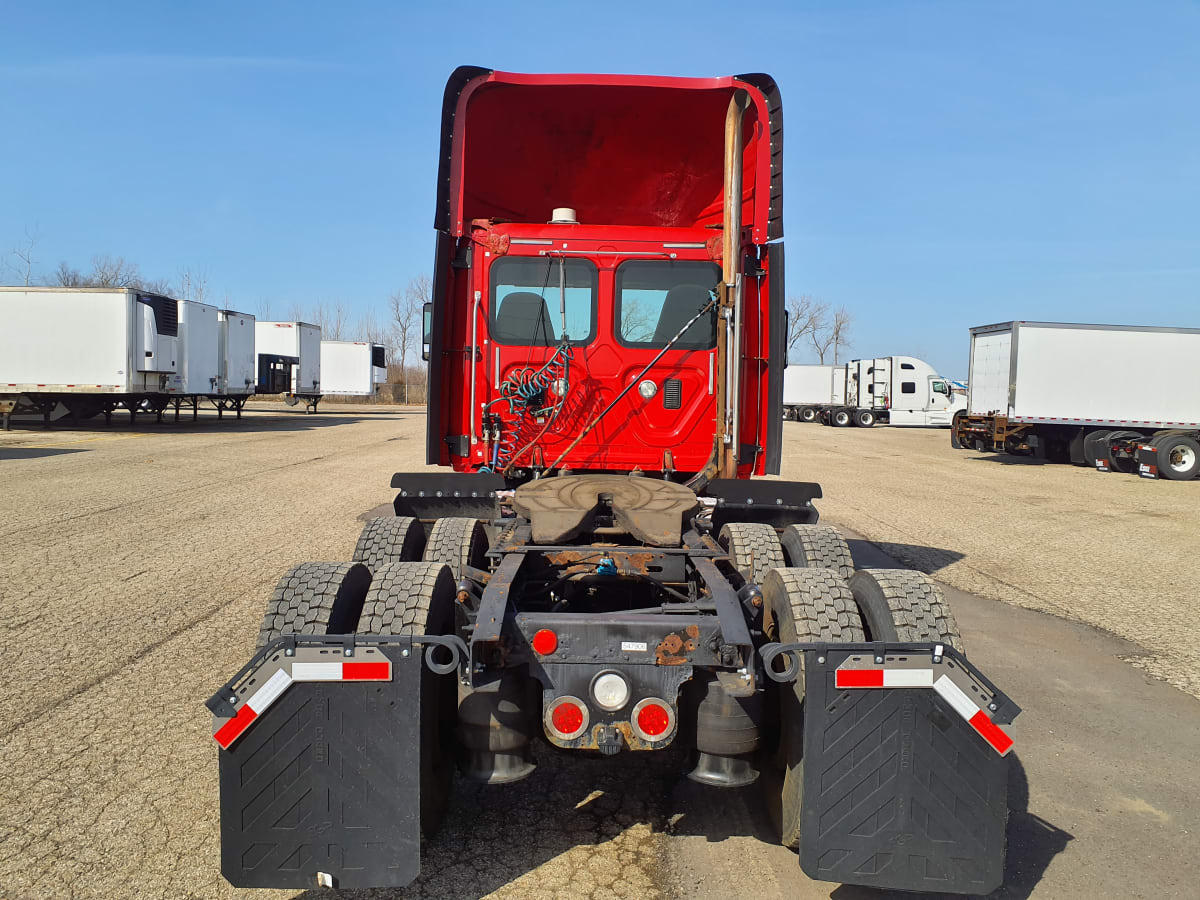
640, 160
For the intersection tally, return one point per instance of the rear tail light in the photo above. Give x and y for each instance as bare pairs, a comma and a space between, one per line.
566, 718
544, 642
653, 720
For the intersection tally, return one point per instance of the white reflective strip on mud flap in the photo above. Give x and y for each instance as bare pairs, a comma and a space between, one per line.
269, 692
907, 678
953, 694
322, 671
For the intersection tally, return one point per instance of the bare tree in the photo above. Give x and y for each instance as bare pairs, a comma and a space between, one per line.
839, 331
23, 253
406, 308
806, 316
264, 310
193, 284
67, 275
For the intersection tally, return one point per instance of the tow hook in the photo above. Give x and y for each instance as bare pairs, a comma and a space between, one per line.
609, 740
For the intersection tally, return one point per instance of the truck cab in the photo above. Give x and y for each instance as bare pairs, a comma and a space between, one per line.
899, 390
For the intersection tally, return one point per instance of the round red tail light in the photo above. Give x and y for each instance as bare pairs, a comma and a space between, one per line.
653, 719
566, 718
545, 642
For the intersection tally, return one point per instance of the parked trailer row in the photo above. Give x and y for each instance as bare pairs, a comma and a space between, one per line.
1115, 397
82, 352
889, 390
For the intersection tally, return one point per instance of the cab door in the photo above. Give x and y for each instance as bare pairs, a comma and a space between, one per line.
939, 411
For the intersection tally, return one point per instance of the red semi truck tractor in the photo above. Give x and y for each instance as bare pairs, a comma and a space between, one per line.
596, 570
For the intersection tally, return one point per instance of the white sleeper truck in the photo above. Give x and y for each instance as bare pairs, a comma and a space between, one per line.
893, 390
1115, 397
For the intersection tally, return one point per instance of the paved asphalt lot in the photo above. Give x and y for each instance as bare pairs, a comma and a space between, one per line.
137, 563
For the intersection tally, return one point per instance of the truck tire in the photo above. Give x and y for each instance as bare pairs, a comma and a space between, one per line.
864, 418
753, 547
316, 598
902, 605
389, 539
840, 418
1121, 464
417, 598
1095, 447
1178, 457
816, 547
808, 414
457, 543
801, 605
955, 443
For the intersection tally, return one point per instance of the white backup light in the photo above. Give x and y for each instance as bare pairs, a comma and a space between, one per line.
647, 389
611, 691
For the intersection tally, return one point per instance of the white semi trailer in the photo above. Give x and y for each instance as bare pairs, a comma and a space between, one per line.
289, 361
1117, 397
236, 381
352, 368
92, 350
809, 390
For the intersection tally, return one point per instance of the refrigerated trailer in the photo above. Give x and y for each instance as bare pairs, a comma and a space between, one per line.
809, 390
93, 350
289, 361
1116, 397
352, 368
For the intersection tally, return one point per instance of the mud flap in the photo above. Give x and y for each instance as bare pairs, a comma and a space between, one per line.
900, 791
321, 787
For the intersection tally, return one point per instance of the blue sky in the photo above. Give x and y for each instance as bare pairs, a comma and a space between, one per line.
947, 164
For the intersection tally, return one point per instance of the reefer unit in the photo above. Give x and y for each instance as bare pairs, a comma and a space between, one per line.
236, 348
87, 340
352, 368
199, 351
1051, 372
278, 343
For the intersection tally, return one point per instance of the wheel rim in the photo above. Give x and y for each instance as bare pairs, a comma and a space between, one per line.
1183, 458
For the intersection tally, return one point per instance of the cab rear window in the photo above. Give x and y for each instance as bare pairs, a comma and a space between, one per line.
655, 298
533, 298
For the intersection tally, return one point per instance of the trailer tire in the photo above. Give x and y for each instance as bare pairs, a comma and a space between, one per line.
903, 605
808, 414
1178, 457
753, 547
457, 543
816, 547
390, 539
864, 418
1095, 447
800, 605
955, 443
839, 418
316, 598
418, 598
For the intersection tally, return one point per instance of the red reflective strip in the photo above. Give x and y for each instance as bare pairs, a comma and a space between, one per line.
858, 678
229, 732
991, 732
366, 671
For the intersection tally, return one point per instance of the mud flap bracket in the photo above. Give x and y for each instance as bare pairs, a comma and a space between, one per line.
899, 790
321, 788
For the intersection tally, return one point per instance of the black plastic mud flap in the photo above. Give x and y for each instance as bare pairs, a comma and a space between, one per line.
900, 791
321, 786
